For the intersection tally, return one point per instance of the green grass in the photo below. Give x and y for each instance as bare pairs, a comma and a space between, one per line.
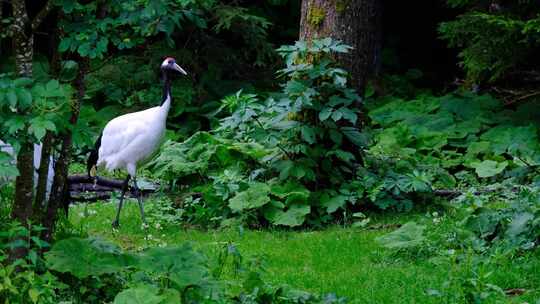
345, 261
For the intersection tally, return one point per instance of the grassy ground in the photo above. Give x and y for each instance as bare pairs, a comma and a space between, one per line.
345, 261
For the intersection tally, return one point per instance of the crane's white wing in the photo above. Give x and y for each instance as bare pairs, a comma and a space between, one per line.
130, 138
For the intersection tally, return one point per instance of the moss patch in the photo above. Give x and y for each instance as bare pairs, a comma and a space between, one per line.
341, 5
316, 16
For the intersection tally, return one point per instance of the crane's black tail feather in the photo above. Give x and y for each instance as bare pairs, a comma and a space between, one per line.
93, 158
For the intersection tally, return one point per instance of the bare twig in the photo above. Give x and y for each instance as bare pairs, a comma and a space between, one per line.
523, 97
41, 15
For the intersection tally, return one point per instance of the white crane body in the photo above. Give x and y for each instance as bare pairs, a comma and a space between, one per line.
131, 139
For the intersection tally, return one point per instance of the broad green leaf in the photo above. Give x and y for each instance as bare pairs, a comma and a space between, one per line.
337, 115
171, 296
182, 264
294, 216
52, 85
518, 226
40, 125
142, 294
349, 115
483, 222
255, 196
15, 123
336, 136
34, 295
24, 97
86, 257
64, 45
11, 98
332, 204
291, 192
22, 82
358, 138
489, 168
407, 236
308, 134
325, 113
478, 147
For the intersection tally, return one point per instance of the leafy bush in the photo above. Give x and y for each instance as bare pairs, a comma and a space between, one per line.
164, 275
495, 38
26, 279
449, 135
300, 157
28, 108
288, 149
512, 224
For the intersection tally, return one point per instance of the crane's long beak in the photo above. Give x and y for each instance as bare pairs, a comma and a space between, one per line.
179, 69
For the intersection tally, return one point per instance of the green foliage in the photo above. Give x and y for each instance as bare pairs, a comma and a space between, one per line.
494, 39
86, 257
7, 167
513, 225
125, 25
201, 155
29, 109
166, 275
409, 235
202, 34
441, 136
255, 196
25, 280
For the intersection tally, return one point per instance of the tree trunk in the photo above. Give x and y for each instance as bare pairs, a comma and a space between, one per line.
60, 188
23, 49
43, 176
356, 23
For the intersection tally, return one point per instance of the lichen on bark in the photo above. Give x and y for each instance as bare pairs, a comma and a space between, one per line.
341, 5
316, 16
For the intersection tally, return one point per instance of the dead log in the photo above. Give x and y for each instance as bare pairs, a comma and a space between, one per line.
80, 186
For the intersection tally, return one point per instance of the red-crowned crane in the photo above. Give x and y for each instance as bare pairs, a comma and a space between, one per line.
131, 139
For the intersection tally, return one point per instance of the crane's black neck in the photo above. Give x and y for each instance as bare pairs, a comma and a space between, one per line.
166, 87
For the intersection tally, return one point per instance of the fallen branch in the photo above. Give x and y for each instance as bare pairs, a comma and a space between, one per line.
101, 187
101, 181
454, 192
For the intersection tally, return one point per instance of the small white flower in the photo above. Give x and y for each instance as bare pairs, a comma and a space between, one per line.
157, 226
451, 251
435, 214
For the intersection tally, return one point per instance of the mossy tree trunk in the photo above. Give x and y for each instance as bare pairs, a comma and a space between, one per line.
356, 23
23, 41
22, 31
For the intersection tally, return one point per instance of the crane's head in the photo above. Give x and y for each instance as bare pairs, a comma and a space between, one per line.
170, 65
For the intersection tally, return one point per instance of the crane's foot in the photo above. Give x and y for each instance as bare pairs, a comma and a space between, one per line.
115, 224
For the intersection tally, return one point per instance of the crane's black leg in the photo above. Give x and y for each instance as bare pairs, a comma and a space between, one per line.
116, 221
139, 199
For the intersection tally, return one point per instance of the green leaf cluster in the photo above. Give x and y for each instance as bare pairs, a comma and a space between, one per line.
166, 275
494, 39
28, 108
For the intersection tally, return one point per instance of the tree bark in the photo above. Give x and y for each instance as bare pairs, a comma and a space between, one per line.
43, 176
23, 49
356, 23
59, 197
